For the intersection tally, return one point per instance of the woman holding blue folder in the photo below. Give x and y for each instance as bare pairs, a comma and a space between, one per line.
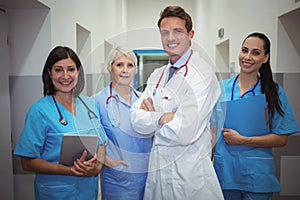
249, 173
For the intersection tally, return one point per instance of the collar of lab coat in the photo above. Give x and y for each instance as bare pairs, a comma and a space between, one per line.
181, 60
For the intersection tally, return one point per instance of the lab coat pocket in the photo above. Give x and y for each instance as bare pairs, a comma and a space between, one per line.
168, 102
50, 192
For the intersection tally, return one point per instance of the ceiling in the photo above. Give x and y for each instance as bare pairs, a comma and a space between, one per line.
20, 4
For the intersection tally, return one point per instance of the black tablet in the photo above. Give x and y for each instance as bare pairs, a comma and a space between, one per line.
72, 147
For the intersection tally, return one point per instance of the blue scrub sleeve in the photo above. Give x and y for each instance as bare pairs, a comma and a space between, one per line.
33, 134
286, 124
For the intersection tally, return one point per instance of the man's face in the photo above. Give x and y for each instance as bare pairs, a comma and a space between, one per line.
174, 36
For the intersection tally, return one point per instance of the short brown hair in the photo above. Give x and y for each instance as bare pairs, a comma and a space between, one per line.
176, 11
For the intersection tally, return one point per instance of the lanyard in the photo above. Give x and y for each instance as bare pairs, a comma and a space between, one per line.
179, 68
249, 91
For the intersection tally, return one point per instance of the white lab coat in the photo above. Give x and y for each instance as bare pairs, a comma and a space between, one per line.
180, 165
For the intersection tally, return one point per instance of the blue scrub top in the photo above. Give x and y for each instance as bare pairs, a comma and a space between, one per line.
251, 169
124, 143
41, 138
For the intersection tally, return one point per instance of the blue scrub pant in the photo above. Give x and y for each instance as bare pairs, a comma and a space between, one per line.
244, 195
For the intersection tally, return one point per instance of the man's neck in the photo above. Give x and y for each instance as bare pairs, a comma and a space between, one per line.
174, 58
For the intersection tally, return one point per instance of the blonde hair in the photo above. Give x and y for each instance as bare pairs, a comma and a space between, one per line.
116, 53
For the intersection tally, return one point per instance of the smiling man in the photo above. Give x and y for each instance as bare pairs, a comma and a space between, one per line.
177, 108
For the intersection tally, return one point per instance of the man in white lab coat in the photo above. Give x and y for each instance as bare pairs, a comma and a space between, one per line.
177, 111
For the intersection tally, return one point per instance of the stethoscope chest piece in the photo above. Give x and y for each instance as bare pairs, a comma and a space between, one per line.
63, 121
154, 91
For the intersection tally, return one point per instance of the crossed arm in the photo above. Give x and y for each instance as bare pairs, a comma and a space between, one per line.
147, 104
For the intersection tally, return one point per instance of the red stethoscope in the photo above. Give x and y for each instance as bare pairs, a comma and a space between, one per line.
177, 70
114, 114
111, 96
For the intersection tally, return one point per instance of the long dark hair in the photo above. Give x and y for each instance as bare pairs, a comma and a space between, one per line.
57, 54
268, 86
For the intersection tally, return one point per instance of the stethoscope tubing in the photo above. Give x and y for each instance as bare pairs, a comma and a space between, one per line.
115, 97
63, 121
250, 91
91, 115
177, 70
61, 118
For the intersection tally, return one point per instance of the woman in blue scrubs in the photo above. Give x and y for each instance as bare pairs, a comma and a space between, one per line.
61, 111
114, 103
250, 173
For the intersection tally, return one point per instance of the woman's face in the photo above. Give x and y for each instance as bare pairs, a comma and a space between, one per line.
122, 70
252, 55
64, 75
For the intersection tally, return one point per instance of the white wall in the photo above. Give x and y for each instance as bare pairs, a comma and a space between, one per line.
130, 23
288, 51
101, 18
29, 40
32, 33
239, 18
142, 16
144, 13
107, 20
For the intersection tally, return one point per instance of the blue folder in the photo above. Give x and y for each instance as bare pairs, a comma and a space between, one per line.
248, 116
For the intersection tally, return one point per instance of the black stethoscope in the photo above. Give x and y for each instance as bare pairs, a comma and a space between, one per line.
115, 97
249, 91
63, 121
178, 69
